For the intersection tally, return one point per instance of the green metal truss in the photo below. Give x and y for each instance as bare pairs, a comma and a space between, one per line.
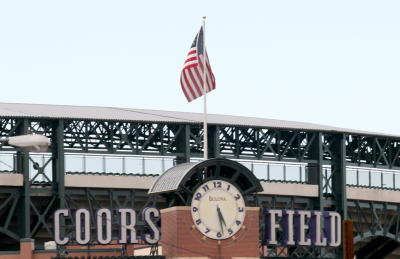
25, 212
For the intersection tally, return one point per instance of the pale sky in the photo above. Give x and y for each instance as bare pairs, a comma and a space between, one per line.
327, 62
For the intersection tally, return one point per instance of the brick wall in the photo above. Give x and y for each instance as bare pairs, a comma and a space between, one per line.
179, 237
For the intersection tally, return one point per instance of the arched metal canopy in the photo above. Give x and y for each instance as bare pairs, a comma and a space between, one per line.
186, 177
169, 181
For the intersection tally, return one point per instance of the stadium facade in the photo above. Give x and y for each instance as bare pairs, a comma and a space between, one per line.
104, 157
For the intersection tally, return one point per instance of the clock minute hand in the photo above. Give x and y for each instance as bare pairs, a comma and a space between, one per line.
221, 219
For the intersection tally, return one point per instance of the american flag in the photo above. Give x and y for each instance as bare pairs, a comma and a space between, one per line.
192, 72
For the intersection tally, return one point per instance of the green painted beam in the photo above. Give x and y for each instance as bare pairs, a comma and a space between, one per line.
24, 206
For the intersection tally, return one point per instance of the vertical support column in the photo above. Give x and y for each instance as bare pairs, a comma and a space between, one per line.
58, 166
338, 150
339, 174
24, 206
348, 237
315, 169
183, 145
58, 162
213, 141
111, 128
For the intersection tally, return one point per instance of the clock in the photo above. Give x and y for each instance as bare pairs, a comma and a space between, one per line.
218, 209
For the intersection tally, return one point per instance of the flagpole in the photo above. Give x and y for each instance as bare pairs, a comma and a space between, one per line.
205, 136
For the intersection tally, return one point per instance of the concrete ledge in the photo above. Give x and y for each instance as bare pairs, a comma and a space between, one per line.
354, 193
27, 240
106, 181
145, 182
9, 253
290, 189
176, 208
209, 257
7, 179
252, 208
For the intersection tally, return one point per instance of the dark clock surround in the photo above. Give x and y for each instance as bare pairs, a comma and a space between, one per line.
178, 184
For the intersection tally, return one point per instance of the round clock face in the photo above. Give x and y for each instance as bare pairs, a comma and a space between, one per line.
218, 209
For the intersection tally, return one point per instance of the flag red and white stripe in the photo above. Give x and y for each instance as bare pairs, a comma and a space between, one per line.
193, 69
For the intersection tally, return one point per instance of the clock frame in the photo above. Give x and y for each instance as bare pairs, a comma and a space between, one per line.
218, 209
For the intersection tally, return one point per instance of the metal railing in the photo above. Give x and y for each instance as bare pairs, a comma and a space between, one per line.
281, 172
7, 162
373, 178
274, 171
118, 163
264, 170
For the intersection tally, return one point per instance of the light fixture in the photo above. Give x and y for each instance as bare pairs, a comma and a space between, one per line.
29, 143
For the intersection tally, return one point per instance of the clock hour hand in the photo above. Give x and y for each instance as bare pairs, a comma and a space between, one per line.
222, 217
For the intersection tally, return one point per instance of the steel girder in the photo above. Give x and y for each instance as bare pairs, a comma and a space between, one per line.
121, 137
44, 201
376, 227
150, 138
371, 151
9, 198
374, 219
376, 151
185, 141
378, 247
